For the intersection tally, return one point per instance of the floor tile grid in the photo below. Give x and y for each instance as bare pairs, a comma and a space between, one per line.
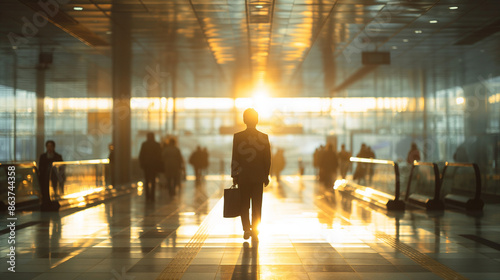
182, 260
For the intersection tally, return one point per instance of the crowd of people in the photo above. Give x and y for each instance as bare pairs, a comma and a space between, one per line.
155, 158
327, 162
364, 170
166, 158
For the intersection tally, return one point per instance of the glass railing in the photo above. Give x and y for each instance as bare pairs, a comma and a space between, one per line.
76, 180
424, 185
462, 179
26, 187
461, 185
379, 177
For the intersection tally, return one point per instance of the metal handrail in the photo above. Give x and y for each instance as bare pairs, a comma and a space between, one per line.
386, 162
82, 162
20, 164
477, 174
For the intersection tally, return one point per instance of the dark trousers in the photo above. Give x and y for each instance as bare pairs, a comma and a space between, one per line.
172, 182
253, 192
149, 183
44, 190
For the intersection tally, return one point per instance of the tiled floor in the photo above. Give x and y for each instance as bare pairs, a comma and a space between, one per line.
306, 233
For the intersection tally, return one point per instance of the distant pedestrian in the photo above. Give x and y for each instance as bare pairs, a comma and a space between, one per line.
329, 165
46, 172
318, 155
151, 163
371, 167
204, 161
173, 165
413, 154
301, 167
109, 174
461, 154
344, 161
361, 168
278, 164
196, 160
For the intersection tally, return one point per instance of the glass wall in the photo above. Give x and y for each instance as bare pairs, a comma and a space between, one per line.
444, 125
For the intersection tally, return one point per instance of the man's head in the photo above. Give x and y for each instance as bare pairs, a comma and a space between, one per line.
250, 117
171, 141
50, 145
150, 136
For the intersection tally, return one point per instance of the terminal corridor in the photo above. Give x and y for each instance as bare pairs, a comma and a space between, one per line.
124, 122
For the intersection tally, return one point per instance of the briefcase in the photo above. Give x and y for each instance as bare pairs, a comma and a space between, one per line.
232, 202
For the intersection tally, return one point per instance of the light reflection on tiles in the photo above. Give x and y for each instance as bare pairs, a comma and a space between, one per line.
305, 233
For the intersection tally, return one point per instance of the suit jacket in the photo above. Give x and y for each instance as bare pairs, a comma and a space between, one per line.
45, 166
251, 159
150, 156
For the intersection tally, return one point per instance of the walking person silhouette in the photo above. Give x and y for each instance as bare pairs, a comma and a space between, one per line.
250, 166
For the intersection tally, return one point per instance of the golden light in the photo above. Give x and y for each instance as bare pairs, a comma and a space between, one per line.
339, 183
262, 102
460, 100
140, 188
494, 98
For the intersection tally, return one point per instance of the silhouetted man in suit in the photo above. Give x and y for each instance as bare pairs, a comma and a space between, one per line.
250, 170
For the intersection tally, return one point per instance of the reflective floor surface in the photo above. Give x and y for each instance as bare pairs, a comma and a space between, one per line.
307, 232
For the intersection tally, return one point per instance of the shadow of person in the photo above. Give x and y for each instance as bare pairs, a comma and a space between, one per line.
248, 269
47, 240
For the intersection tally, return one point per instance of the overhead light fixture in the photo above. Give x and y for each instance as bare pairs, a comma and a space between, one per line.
394, 47
406, 40
259, 6
108, 32
453, 8
78, 8
433, 21
418, 31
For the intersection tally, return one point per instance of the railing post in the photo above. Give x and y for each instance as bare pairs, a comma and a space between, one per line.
436, 203
407, 195
477, 173
437, 182
398, 191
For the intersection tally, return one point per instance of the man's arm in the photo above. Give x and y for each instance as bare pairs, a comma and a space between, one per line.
267, 159
40, 164
141, 156
234, 161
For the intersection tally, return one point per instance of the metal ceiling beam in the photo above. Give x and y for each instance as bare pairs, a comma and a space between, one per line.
69, 25
203, 31
356, 76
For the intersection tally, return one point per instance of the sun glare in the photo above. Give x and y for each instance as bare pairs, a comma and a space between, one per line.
262, 102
